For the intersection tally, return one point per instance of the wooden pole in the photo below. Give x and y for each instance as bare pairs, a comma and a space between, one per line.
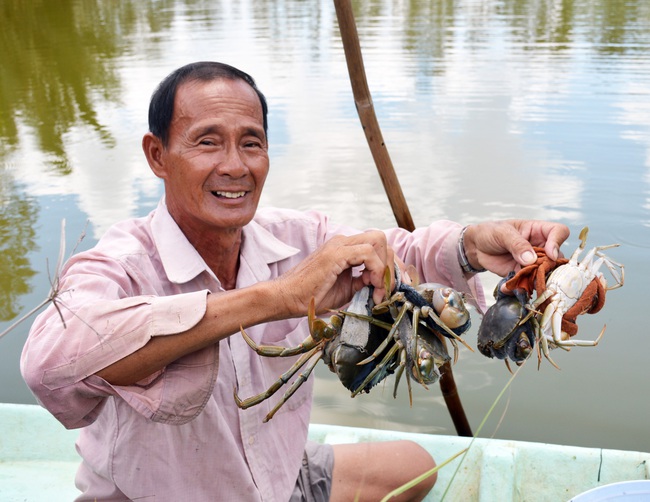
368, 118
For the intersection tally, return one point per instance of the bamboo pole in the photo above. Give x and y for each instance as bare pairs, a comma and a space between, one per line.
368, 118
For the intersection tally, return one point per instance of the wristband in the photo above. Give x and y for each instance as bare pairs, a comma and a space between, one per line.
462, 257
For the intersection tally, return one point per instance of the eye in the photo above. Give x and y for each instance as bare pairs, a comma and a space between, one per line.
253, 144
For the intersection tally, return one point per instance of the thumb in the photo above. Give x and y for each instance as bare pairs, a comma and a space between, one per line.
521, 250
527, 257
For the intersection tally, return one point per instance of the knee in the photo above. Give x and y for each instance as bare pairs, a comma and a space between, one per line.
420, 462
368, 471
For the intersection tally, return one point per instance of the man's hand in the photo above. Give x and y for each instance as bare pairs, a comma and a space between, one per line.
326, 275
504, 246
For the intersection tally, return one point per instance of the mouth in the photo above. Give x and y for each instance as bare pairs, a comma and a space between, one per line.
222, 194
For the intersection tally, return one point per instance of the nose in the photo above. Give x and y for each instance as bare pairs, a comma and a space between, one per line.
231, 163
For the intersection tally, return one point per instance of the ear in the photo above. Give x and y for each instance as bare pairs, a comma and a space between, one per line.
154, 152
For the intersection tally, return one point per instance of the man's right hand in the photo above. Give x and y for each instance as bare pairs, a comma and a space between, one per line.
326, 275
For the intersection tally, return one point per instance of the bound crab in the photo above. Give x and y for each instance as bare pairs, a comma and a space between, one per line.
573, 289
367, 342
418, 317
508, 330
564, 290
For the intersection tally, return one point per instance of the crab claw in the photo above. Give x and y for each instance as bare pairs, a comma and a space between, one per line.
387, 278
319, 329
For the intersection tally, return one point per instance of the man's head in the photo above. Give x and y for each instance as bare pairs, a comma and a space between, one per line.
161, 107
208, 143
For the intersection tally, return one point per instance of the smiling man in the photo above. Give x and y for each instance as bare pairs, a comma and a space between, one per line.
214, 163
146, 362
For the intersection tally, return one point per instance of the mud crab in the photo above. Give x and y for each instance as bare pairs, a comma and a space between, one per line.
565, 286
419, 315
366, 343
508, 330
562, 290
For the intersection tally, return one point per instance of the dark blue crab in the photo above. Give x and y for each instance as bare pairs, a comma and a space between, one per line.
366, 343
508, 329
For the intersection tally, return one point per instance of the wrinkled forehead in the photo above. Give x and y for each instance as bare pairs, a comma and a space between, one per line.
196, 98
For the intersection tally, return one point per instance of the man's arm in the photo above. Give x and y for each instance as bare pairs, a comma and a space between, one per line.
224, 315
325, 275
503, 246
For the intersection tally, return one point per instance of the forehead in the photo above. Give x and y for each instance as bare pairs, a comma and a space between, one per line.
197, 99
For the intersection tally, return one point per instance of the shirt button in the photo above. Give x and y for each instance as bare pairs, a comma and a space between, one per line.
251, 440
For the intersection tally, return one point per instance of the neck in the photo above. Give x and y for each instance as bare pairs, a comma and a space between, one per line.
220, 251
223, 259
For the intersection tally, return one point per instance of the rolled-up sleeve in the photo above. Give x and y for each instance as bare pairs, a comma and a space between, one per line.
433, 252
72, 340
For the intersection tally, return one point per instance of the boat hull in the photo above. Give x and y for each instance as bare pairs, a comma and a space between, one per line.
38, 458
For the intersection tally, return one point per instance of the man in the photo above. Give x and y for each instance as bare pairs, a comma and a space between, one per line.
147, 364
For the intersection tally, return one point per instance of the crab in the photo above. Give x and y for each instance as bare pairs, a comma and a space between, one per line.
410, 348
565, 285
415, 319
437, 306
355, 346
508, 331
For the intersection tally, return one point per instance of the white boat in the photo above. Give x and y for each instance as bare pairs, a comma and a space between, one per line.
38, 461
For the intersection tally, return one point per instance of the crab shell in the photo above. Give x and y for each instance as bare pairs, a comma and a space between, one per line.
448, 304
343, 357
502, 333
430, 355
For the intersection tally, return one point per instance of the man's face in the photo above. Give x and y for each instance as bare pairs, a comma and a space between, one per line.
216, 160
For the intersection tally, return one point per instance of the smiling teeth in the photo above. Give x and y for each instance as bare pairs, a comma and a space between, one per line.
231, 195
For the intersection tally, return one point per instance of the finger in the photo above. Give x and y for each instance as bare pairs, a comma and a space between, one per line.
546, 234
556, 236
377, 240
371, 250
378, 294
516, 244
326, 274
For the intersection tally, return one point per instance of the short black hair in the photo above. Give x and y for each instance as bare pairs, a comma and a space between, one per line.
161, 106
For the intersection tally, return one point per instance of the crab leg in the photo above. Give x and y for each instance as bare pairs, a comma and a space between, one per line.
387, 326
398, 375
389, 355
613, 268
284, 378
582, 343
403, 364
386, 305
302, 377
416, 320
543, 342
275, 351
583, 243
319, 331
414, 354
408, 340
389, 337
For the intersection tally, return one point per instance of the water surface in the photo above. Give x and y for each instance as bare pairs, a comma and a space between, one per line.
490, 109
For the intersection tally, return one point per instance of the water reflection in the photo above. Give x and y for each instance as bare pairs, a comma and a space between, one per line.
17, 238
56, 63
490, 109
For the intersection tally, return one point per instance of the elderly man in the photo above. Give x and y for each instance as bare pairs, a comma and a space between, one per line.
146, 363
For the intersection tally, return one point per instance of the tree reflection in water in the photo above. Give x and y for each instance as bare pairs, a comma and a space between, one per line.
17, 237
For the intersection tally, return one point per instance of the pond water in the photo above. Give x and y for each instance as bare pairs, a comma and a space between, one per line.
489, 108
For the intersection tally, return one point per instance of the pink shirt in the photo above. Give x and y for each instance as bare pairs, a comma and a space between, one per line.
178, 435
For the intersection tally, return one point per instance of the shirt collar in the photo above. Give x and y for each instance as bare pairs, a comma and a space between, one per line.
259, 249
182, 262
